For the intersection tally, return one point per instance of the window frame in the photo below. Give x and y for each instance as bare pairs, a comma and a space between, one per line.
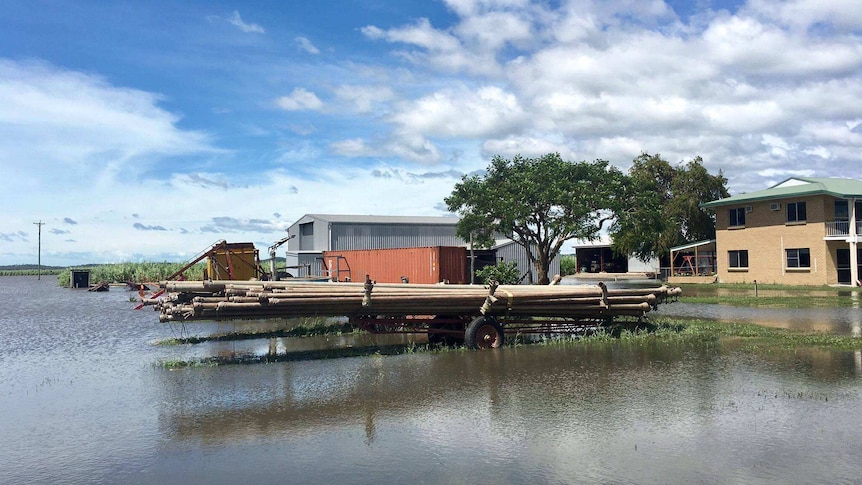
799, 255
737, 256
796, 210
739, 212
842, 210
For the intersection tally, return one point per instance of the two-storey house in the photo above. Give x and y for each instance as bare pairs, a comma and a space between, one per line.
802, 231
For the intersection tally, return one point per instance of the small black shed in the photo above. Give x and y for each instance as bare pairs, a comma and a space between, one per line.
80, 278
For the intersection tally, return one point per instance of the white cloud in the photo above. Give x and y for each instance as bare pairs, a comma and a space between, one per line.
364, 99
494, 30
305, 45
236, 20
527, 146
437, 48
778, 173
300, 99
62, 122
466, 8
400, 145
801, 14
462, 113
612, 79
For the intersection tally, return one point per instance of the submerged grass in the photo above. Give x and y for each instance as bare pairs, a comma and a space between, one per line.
309, 327
771, 295
759, 335
769, 287
664, 331
809, 301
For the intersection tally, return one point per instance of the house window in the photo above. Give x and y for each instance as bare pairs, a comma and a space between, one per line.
796, 212
737, 217
738, 259
798, 258
842, 212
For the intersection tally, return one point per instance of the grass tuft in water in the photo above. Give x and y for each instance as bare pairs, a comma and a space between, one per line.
308, 327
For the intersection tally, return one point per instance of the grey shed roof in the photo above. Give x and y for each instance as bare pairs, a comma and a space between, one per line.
796, 187
370, 219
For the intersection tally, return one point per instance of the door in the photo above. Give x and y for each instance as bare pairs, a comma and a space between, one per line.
843, 265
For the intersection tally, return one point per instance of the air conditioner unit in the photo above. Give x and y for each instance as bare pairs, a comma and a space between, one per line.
775, 206
748, 208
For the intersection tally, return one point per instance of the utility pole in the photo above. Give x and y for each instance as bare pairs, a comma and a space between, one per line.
39, 270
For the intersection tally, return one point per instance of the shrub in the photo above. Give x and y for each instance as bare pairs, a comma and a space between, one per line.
505, 273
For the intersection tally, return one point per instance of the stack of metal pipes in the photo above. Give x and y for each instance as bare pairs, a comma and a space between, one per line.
227, 300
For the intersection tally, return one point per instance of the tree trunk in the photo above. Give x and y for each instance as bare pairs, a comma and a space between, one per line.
542, 265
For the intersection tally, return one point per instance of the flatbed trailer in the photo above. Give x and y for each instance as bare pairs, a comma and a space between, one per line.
480, 316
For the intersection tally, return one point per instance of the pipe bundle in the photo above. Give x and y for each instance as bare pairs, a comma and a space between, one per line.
228, 300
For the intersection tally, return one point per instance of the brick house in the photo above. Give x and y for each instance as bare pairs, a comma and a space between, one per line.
802, 231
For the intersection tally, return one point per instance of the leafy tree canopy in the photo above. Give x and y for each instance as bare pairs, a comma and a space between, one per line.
662, 208
539, 202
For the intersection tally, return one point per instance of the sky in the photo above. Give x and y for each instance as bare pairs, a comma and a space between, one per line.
149, 130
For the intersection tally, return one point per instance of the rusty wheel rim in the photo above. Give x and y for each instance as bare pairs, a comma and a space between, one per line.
487, 337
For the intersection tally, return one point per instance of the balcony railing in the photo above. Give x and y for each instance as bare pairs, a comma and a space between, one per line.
842, 228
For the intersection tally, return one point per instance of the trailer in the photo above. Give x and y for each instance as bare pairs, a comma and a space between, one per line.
479, 316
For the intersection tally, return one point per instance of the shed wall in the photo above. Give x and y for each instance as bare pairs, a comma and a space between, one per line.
388, 236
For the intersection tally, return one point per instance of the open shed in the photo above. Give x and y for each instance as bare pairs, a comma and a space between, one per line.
692, 261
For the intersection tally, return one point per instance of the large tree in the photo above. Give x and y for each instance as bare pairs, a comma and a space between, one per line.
539, 202
662, 208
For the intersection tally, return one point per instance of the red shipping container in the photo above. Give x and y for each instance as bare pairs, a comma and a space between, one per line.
428, 265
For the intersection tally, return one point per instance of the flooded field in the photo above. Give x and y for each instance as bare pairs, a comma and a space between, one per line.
84, 398
846, 320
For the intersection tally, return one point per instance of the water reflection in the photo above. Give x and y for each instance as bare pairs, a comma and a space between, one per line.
538, 414
602, 381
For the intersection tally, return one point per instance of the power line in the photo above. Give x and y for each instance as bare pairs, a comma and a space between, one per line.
39, 270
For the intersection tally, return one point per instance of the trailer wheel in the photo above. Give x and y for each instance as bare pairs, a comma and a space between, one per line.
484, 333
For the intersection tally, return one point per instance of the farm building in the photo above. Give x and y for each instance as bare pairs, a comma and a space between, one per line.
598, 257
315, 234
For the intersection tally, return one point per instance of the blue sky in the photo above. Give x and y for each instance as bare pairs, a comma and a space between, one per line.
150, 130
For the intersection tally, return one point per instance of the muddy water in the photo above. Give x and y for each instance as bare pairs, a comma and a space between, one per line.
83, 400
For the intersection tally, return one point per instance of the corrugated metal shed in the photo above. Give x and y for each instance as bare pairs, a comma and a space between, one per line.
426, 265
316, 233
324, 232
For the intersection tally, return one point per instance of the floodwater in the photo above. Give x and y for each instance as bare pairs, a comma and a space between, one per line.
845, 321
84, 399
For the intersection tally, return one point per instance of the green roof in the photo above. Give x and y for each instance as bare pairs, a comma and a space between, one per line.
797, 187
